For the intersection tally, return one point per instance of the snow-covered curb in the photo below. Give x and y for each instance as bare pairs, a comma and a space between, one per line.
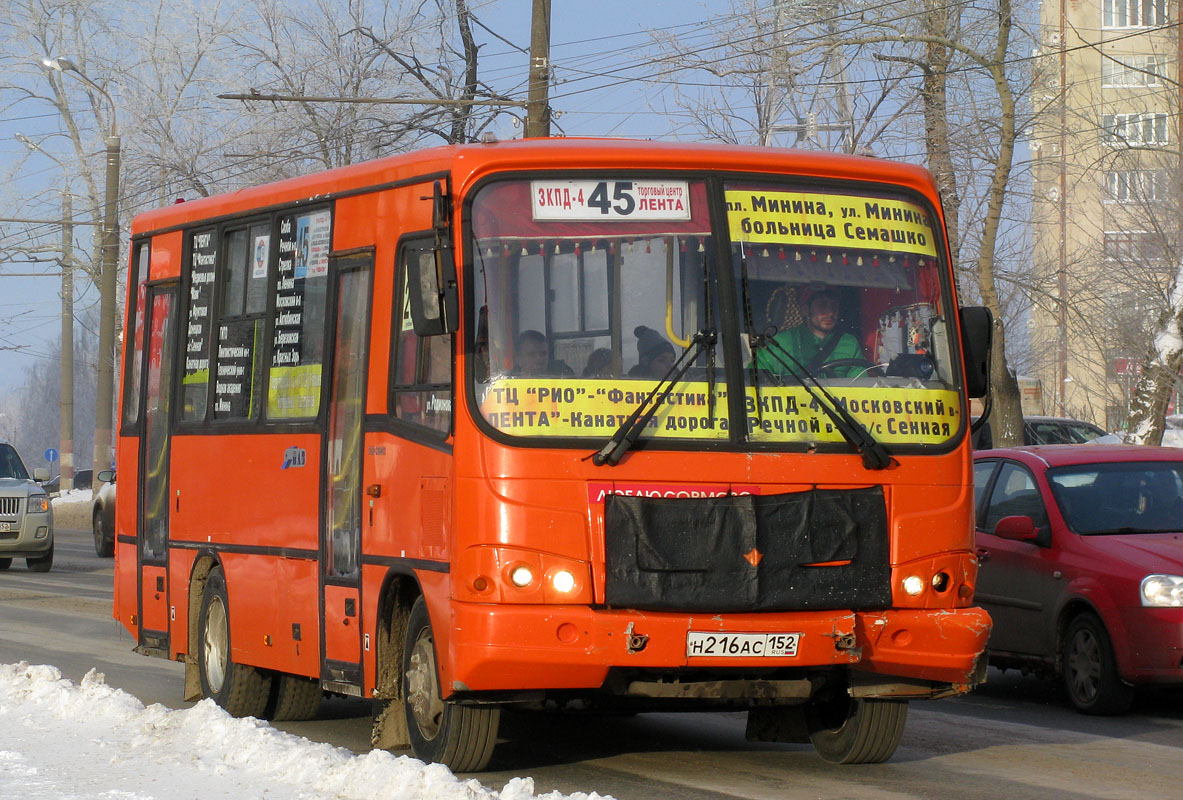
71, 510
58, 740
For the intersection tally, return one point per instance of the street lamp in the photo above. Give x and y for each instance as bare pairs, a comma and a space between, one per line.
67, 355
106, 388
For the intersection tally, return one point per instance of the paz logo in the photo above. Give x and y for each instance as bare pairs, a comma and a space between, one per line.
294, 457
753, 556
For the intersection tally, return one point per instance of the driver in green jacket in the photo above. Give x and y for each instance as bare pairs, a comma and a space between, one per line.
814, 342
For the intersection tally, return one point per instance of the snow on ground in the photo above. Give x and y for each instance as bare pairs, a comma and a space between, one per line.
59, 741
72, 509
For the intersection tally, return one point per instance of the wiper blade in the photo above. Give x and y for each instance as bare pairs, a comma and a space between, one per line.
1130, 529
631, 428
875, 455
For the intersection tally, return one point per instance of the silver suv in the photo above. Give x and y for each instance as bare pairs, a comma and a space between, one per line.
26, 517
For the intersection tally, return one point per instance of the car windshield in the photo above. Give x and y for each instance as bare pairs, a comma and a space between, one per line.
10, 463
1062, 432
1140, 497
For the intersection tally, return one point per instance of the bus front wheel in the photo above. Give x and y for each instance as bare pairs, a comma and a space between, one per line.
459, 736
847, 730
243, 691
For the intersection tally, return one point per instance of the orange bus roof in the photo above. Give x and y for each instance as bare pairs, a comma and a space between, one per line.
469, 162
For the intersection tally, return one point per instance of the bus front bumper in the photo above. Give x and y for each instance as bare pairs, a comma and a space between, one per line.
514, 647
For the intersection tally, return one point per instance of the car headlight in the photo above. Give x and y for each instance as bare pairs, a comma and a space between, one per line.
38, 504
1162, 591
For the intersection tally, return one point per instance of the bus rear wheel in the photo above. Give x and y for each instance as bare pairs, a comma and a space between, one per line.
459, 736
293, 698
243, 691
848, 730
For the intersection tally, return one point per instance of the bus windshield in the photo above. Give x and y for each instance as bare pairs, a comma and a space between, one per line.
586, 292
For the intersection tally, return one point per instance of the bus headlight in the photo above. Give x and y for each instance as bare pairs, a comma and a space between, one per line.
1162, 591
499, 574
521, 576
563, 581
913, 585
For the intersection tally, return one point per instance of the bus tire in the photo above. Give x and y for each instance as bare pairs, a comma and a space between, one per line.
293, 698
1090, 669
848, 730
241, 690
460, 737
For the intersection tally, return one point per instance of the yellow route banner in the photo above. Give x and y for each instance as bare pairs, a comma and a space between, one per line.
564, 407
829, 220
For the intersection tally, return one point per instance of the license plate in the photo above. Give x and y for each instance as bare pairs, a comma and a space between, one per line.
5, 526
741, 645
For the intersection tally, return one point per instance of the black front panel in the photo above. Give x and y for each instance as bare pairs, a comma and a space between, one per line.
820, 549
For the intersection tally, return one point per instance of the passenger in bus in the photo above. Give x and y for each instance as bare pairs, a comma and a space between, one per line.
655, 354
816, 341
599, 364
531, 357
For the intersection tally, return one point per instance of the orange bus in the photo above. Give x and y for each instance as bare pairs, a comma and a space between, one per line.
529, 425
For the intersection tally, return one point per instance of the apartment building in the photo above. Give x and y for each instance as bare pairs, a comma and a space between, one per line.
1106, 220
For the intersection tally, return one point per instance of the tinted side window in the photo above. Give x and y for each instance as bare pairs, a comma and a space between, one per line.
1015, 494
982, 472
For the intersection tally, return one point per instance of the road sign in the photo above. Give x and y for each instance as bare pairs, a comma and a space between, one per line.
51, 455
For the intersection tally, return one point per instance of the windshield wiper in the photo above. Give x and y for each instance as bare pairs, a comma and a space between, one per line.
875, 455
1129, 529
631, 428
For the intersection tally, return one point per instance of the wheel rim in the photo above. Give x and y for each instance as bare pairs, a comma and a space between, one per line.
216, 645
97, 529
1084, 665
423, 694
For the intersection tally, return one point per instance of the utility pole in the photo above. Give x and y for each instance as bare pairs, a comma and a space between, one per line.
67, 387
66, 390
538, 107
104, 401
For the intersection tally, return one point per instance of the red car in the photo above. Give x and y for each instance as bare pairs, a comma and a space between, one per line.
1081, 553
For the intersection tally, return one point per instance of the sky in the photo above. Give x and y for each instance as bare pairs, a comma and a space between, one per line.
595, 49
89, 741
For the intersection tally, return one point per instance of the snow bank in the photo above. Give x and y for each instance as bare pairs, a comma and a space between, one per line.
62, 741
71, 509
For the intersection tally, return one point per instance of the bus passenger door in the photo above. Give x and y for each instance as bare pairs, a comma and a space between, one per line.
340, 545
153, 484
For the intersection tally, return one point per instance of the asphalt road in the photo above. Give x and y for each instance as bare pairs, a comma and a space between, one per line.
1015, 738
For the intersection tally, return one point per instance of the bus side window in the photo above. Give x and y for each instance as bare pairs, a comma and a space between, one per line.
421, 368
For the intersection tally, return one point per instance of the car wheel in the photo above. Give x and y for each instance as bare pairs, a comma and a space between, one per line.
847, 730
1090, 669
242, 690
5, 563
103, 547
42, 564
459, 736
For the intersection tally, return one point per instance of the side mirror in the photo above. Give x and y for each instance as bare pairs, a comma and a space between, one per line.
1020, 529
40, 474
431, 285
106, 476
977, 336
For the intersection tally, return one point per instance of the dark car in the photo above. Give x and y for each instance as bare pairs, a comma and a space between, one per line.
1081, 566
1044, 430
82, 479
102, 515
